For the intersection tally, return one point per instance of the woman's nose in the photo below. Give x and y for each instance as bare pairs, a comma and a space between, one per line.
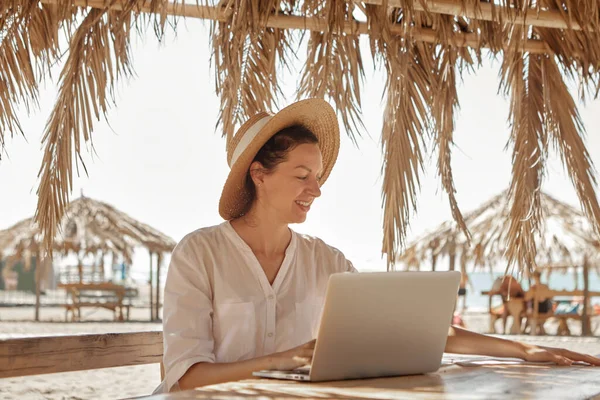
315, 188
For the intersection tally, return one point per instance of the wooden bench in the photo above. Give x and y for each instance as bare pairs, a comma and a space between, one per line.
536, 320
111, 297
50, 354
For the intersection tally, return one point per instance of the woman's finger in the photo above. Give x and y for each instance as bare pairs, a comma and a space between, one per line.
585, 358
560, 360
305, 353
302, 360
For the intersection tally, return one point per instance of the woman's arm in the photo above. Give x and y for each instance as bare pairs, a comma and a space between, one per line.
462, 341
203, 374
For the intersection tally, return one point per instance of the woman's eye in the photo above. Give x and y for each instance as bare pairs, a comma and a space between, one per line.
302, 178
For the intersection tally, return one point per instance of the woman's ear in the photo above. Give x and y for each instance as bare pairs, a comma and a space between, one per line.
257, 173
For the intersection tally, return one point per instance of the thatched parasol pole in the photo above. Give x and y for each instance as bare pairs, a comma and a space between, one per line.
151, 290
585, 321
37, 288
158, 262
80, 267
102, 261
452, 254
463, 263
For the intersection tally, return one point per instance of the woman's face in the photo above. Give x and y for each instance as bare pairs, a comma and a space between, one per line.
288, 191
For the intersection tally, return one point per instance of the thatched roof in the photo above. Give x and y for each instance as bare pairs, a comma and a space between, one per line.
565, 237
87, 227
423, 47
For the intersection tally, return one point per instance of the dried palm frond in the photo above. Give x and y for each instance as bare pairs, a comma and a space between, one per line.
522, 78
567, 131
578, 54
406, 123
491, 33
443, 106
250, 39
379, 19
334, 65
99, 52
245, 54
28, 44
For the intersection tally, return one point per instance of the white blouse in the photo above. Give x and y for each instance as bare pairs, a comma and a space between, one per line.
220, 307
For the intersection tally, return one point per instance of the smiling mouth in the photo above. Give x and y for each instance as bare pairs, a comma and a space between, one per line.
304, 203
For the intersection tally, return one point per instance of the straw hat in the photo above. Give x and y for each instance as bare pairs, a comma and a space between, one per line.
314, 114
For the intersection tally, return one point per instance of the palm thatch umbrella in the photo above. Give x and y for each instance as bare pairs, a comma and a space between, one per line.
565, 239
423, 47
88, 228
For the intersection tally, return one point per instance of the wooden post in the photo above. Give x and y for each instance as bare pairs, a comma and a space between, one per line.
101, 265
80, 267
151, 282
463, 263
534, 321
586, 329
158, 262
37, 287
94, 267
452, 252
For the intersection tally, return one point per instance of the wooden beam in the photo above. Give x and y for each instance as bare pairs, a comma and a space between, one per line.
46, 355
486, 12
304, 23
176, 9
417, 34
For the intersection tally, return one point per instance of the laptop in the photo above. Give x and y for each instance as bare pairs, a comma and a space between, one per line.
380, 324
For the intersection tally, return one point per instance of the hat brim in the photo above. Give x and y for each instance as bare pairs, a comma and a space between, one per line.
314, 114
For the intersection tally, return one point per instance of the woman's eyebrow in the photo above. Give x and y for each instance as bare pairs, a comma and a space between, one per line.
304, 167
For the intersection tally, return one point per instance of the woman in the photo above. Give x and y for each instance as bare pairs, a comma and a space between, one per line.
246, 295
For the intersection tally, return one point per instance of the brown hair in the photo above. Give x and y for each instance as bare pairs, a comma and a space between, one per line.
275, 151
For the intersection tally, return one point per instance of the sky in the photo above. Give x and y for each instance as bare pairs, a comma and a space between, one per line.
160, 159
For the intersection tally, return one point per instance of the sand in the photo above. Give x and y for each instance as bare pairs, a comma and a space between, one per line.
124, 382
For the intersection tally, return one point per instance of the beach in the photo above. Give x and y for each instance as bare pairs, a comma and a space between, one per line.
133, 381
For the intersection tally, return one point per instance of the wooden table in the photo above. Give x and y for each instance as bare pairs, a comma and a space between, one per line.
460, 377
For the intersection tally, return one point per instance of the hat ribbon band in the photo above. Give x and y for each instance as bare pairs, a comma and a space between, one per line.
248, 138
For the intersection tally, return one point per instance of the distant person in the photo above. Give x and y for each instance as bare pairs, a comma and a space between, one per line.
544, 299
507, 287
246, 295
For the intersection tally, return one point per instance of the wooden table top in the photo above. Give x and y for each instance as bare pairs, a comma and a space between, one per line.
460, 377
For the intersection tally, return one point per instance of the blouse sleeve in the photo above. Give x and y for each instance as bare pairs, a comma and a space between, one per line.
187, 313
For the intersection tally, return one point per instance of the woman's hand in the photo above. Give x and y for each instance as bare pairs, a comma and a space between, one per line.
293, 358
556, 355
